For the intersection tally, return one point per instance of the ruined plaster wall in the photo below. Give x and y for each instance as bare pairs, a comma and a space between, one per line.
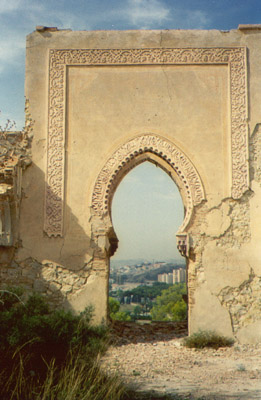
15, 156
63, 245
224, 265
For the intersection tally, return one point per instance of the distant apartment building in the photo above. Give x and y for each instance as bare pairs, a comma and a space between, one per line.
179, 275
166, 278
176, 276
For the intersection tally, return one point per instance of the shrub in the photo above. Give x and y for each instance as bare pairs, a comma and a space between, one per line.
33, 322
53, 355
170, 306
202, 339
115, 313
37, 344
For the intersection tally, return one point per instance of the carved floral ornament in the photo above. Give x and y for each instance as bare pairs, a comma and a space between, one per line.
139, 148
111, 174
59, 59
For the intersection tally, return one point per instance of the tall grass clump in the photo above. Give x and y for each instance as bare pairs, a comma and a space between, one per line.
202, 339
51, 355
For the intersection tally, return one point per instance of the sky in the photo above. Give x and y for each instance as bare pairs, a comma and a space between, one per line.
146, 212
20, 17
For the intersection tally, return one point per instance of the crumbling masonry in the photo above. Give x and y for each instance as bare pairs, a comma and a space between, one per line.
100, 103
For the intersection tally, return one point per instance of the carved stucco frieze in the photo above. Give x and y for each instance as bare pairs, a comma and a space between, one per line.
59, 59
122, 160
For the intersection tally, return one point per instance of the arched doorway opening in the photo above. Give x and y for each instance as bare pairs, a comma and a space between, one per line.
161, 152
145, 200
147, 272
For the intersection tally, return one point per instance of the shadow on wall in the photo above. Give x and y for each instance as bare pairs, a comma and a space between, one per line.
67, 270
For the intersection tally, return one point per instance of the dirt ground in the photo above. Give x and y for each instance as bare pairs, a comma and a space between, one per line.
156, 361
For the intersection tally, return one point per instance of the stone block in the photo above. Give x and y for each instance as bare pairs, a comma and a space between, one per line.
39, 285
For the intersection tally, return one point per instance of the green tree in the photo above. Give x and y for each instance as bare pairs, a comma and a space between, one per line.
137, 312
114, 305
148, 292
170, 306
121, 316
115, 313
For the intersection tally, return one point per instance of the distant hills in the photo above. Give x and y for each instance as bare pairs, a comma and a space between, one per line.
152, 274
142, 271
136, 261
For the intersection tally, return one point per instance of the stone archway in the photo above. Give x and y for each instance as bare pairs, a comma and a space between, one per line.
122, 89
169, 157
147, 147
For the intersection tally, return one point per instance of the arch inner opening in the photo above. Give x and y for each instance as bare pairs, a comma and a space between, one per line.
147, 211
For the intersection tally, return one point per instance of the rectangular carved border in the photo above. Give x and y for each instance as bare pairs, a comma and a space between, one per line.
234, 57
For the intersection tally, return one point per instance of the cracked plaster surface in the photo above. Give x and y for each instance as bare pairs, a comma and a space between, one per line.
243, 302
222, 261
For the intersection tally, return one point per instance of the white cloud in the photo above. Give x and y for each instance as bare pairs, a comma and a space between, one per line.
12, 48
7, 6
149, 14
145, 12
196, 19
14, 27
11, 6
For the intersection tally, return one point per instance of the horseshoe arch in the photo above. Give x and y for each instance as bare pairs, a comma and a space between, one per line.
165, 154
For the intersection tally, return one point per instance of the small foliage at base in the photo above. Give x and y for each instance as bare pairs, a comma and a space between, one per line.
51, 355
202, 339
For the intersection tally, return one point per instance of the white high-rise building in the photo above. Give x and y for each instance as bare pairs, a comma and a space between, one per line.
176, 276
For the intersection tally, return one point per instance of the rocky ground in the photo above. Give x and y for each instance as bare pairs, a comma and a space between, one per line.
153, 359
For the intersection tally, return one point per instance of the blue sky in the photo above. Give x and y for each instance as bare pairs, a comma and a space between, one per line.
147, 210
19, 17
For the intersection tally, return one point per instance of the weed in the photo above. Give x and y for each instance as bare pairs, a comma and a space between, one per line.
202, 339
241, 368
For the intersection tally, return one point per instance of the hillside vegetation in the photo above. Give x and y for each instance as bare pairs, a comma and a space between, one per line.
159, 302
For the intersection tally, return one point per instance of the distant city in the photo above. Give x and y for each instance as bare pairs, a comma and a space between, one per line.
138, 261
128, 274
147, 290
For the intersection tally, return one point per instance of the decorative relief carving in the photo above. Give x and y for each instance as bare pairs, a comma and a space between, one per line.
119, 164
235, 58
183, 244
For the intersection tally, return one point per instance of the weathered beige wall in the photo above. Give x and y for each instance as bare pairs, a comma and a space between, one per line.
107, 105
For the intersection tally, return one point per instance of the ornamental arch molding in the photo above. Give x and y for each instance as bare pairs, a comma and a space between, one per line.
161, 152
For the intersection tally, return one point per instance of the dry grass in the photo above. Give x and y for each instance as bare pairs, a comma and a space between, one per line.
76, 380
